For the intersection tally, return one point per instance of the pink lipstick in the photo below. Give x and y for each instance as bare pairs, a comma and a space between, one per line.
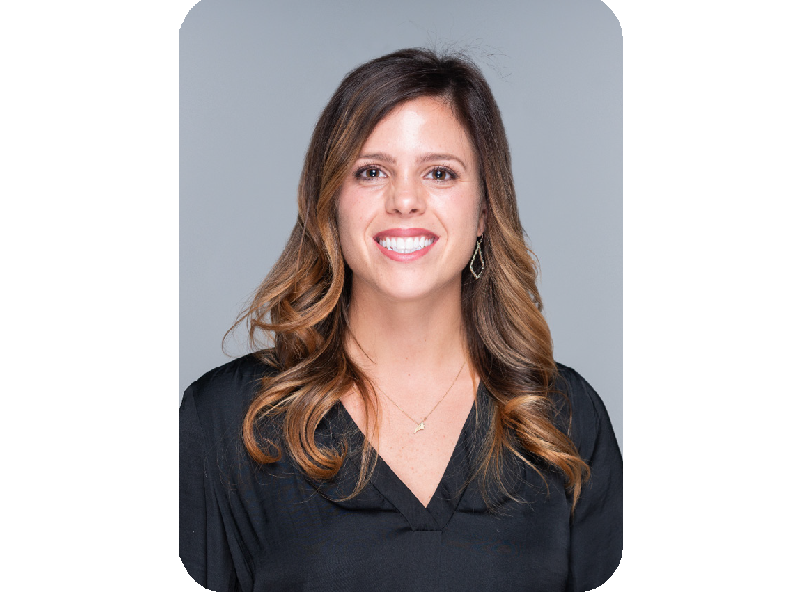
404, 245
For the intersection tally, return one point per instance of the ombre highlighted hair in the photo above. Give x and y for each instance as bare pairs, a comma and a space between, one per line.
302, 305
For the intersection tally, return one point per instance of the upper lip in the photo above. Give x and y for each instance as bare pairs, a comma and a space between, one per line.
404, 233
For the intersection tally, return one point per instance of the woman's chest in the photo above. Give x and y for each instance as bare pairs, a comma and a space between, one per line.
329, 549
420, 457
418, 448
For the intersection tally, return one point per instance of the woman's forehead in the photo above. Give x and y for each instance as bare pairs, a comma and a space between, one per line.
423, 125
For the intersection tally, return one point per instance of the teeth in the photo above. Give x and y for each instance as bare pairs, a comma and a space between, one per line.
405, 245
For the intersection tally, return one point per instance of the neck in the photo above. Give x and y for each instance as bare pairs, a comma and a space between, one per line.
406, 339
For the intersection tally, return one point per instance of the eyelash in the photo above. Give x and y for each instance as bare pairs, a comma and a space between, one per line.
359, 173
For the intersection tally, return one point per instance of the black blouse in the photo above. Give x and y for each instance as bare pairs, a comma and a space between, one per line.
267, 528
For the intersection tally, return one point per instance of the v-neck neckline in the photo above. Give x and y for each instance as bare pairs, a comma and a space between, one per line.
451, 486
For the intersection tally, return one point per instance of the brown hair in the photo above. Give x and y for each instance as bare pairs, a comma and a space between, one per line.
302, 305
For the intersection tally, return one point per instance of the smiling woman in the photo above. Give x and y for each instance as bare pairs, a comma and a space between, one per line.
414, 193
407, 428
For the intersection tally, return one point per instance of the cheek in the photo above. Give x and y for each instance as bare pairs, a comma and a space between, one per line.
351, 225
473, 218
464, 226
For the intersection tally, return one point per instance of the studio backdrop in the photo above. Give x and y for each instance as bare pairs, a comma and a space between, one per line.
255, 75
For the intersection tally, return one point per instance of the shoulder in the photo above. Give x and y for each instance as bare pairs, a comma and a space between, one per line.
236, 376
222, 396
577, 388
585, 414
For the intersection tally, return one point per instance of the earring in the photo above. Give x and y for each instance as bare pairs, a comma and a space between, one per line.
472, 262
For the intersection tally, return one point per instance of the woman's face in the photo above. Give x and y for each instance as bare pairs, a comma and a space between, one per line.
410, 209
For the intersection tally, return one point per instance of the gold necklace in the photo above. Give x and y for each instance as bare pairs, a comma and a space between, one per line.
419, 425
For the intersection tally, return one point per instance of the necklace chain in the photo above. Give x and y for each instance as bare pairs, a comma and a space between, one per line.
420, 425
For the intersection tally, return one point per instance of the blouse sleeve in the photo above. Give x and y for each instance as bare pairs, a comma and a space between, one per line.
203, 547
596, 531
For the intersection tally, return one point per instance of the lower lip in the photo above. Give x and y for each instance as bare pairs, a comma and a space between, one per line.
406, 257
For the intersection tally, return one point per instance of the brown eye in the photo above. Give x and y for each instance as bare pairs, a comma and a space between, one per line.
369, 173
441, 174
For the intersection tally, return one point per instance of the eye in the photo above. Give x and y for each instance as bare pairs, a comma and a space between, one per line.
369, 172
441, 174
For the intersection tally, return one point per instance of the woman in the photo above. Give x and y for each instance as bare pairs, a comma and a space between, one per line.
407, 428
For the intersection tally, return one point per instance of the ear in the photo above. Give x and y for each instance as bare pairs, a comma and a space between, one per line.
482, 219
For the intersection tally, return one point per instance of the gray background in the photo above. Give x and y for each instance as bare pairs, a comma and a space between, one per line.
255, 75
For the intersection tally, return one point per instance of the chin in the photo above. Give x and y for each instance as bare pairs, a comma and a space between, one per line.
414, 289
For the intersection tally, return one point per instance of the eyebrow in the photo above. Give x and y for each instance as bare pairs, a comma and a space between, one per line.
431, 156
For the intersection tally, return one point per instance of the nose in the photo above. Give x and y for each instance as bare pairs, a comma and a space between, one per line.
406, 197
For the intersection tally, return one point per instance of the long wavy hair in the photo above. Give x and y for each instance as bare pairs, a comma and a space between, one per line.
302, 305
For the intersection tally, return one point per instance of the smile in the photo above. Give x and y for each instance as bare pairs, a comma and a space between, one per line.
405, 244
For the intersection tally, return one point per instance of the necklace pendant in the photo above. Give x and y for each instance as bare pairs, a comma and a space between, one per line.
420, 426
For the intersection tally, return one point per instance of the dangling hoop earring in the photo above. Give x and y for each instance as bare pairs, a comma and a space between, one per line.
472, 262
